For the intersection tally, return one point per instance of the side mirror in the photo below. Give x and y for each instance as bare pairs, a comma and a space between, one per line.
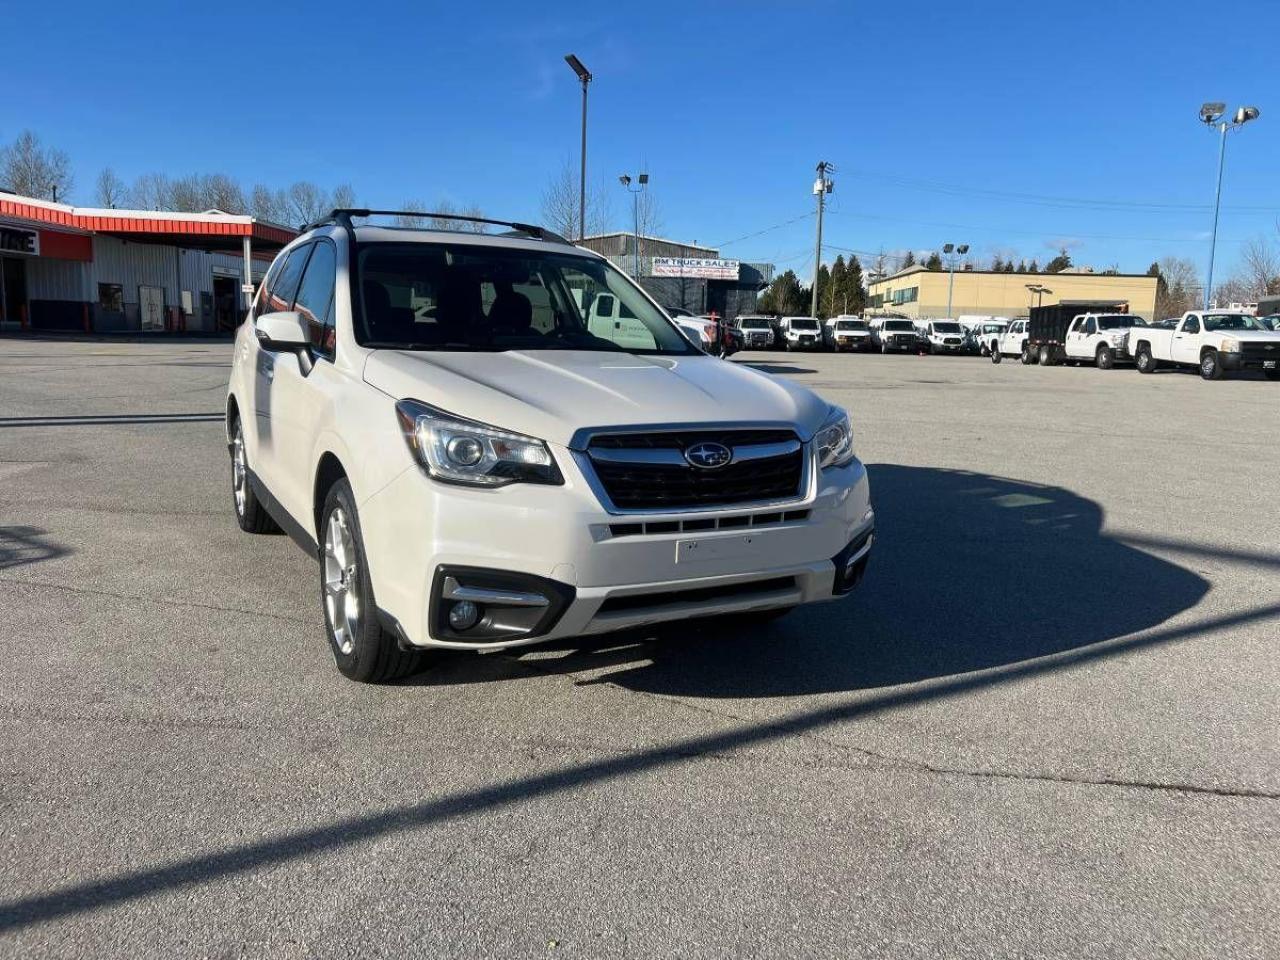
285, 330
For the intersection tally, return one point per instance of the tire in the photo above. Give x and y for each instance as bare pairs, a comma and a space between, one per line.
1027, 357
884, 348
984, 350
361, 648
250, 513
1144, 361
995, 356
1105, 359
1046, 357
1211, 365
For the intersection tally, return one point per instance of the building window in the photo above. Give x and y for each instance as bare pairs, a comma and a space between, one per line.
111, 298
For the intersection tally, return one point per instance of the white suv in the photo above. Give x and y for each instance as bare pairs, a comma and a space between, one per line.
483, 453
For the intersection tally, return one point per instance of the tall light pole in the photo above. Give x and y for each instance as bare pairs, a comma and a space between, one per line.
585, 76
953, 253
1038, 291
642, 180
821, 187
1211, 114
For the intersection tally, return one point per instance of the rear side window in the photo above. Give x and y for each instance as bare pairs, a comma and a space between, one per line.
285, 288
315, 297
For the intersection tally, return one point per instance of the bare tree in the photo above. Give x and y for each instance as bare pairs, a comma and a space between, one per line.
152, 191
344, 196
409, 219
29, 169
220, 192
186, 195
307, 202
1260, 267
1178, 289
560, 204
268, 204
110, 191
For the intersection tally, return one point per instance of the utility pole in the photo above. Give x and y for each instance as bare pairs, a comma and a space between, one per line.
822, 186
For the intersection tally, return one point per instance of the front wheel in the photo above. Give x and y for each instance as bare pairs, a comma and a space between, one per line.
1105, 359
1028, 355
362, 649
1144, 361
995, 355
1211, 365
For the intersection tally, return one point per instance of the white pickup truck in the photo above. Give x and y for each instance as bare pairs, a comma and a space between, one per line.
1214, 341
1012, 342
1102, 338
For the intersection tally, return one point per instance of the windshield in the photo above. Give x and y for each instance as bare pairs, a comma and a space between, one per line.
419, 296
755, 323
899, 326
1119, 321
1230, 321
1272, 322
851, 324
946, 328
803, 323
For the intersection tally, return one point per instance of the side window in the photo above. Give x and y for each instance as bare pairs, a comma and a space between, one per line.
282, 292
1192, 325
1076, 325
1091, 326
264, 289
315, 297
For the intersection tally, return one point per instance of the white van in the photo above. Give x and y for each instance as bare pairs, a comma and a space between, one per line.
800, 333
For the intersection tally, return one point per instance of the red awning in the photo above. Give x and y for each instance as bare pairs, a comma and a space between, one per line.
198, 229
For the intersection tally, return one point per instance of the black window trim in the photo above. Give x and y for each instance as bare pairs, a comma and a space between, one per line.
332, 308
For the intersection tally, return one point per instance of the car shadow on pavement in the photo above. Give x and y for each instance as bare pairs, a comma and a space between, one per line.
969, 572
20, 546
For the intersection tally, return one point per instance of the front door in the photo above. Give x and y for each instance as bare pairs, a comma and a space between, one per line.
1186, 342
13, 292
226, 311
151, 308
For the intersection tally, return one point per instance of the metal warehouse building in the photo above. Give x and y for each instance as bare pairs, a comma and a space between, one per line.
685, 275
65, 268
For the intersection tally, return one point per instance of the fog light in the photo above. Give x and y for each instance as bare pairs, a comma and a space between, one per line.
464, 615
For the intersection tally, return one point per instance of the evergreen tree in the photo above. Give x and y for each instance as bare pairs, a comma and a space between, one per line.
934, 262
1033, 267
997, 265
784, 297
824, 292
1022, 267
833, 303
909, 260
1008, 266
1059, 263
857, 296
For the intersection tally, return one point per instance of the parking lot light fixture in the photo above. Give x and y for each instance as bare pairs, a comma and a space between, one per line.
953, 253
642, 181
1211, 115
584, 75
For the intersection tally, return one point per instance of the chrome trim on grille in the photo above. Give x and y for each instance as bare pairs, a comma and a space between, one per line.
672, 457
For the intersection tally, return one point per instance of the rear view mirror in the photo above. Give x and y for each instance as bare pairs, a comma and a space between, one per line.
285, 330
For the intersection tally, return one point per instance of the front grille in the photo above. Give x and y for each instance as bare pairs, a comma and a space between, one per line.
677, 485
1260, 351
952, 341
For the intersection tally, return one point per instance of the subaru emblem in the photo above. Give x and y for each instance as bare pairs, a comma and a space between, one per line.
707, 455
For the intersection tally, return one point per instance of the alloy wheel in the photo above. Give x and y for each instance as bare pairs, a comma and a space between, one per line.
239, 471
341, 581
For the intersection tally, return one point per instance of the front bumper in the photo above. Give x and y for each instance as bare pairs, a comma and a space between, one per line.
415, 527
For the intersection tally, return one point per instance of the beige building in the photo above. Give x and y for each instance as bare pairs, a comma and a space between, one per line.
921, 293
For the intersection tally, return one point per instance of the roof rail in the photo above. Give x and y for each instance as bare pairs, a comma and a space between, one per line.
342, 216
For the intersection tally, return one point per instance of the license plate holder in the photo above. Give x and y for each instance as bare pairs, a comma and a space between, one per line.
717, 548
1268, 364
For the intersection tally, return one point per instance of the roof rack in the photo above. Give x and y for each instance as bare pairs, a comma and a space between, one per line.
342, 216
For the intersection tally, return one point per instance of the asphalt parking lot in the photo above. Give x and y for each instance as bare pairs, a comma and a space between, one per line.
1045, 725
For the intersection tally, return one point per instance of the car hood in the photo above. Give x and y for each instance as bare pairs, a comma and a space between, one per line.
1246, 336
551, 394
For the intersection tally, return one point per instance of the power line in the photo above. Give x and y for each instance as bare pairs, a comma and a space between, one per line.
1040, 199
1030, 233
776, 226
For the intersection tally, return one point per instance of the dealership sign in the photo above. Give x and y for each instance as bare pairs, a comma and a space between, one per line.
18, 240
699, 269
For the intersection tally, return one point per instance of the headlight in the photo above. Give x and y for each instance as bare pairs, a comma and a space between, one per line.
1230, 346
462, 451
834, 442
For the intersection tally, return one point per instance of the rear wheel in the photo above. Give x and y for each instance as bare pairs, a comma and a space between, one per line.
1211, 365
362, 649
251, 515
1105, 359
995, 355
1046, 356
1144, 361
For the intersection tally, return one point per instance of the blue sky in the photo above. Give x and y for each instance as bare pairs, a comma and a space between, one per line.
997, 124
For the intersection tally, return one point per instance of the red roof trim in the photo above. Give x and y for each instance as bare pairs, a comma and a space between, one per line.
144, 224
